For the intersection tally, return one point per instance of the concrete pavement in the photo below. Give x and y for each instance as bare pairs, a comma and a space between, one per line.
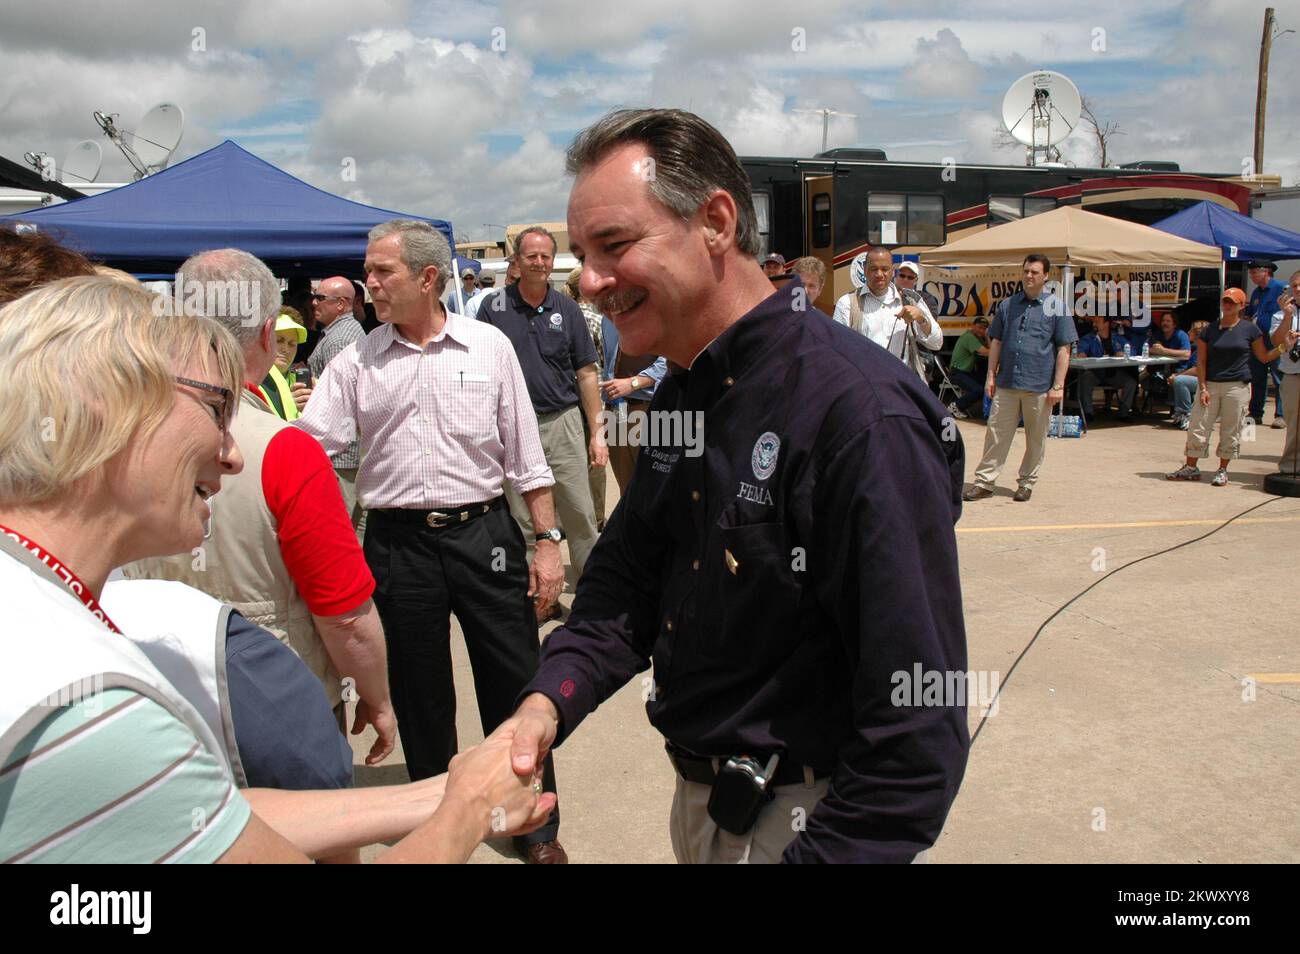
1156, 719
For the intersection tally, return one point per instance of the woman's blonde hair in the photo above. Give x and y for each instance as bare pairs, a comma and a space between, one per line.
84, 364
571, 284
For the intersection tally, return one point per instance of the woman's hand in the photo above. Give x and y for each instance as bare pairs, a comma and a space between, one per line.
484, 779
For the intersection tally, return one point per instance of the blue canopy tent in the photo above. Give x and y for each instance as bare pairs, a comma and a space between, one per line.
1240, 236
224, 197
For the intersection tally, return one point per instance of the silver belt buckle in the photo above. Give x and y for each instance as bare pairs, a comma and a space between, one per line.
437, 520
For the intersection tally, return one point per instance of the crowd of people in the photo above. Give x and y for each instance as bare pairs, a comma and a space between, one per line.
221, 529
1015, 367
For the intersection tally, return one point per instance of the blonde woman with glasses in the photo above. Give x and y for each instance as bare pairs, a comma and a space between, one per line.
116, 432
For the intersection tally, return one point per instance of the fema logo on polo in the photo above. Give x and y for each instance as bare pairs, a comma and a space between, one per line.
556, 321
763, 459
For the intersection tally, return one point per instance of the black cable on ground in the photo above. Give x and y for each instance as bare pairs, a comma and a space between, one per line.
1068, 603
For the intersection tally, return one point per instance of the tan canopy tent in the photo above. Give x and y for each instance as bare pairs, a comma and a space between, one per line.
1071, 237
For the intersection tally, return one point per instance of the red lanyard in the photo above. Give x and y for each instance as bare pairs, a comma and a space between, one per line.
70, 579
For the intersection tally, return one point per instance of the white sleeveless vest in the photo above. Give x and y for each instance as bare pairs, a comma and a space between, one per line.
54, 652
241, 563
183, 632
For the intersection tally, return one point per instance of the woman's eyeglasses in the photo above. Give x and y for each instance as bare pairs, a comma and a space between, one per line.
224, 413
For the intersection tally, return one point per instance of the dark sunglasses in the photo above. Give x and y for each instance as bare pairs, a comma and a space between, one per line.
224, 414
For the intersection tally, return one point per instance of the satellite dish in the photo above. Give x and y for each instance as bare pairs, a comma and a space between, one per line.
1040, 110
158, 135
83, 162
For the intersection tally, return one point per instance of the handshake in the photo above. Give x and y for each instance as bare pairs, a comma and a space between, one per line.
497, 785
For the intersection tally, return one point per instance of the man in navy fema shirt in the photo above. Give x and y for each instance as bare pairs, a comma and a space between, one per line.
1029, 355
1260, 309
549, 334
793, 576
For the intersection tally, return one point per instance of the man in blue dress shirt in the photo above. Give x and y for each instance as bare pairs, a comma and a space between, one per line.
1029, 355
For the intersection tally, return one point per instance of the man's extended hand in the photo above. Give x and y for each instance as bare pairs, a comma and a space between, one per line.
384, 720
546, 577
532, 731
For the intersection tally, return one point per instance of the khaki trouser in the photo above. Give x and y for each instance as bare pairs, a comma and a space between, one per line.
1228, 403
1289, 463
566, 455
622, 457
596, 478
698, 841
1009, 405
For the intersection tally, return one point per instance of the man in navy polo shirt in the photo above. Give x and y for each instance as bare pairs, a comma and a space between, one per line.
1261, 309
550, 337
1029, 355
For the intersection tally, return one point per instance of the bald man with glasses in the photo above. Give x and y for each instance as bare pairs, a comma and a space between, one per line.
332, 305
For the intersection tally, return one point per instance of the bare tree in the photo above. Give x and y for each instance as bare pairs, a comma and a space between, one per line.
1102, 132
1002, 139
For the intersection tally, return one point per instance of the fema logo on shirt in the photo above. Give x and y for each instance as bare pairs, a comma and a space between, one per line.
556, 321
763, 459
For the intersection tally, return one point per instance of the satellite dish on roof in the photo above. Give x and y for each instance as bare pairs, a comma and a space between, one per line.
158, 135
150, 147
83, 162
1040, 110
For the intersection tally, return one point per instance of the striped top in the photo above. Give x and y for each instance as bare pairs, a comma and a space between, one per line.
115, 778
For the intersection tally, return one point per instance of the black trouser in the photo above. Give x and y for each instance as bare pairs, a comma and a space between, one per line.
478, 571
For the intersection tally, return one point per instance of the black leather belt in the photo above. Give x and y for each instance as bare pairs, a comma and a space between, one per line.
699, 768
440, 519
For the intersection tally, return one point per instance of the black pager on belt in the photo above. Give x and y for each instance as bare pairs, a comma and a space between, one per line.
741, 789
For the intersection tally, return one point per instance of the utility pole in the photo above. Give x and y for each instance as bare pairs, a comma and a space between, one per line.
1261, 92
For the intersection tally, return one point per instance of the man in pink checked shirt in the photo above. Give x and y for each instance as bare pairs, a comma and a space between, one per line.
439, 405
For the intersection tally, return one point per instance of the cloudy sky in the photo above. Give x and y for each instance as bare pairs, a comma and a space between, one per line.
462, 110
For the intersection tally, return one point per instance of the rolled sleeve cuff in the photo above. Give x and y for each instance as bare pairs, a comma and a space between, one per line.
534, 481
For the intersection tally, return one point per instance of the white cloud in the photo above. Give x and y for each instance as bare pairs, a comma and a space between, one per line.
942, 69
441, 123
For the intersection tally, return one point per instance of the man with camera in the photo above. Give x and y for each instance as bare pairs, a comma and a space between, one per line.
1285, 338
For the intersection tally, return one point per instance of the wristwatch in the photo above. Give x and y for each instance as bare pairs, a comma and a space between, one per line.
555, 535
636, 382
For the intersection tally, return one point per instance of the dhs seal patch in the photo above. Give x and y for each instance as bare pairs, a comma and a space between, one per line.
556, 320
763, 460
